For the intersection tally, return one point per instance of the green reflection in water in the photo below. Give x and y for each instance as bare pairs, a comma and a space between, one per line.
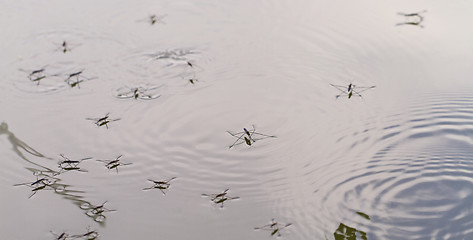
345, 232
40, 171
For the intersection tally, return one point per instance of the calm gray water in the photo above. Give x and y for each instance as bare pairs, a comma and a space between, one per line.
393, 163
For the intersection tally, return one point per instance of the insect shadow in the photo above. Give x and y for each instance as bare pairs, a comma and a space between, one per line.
103, 121
350, 90
114, 164
96, 212
220, 198
71, 165
248, 136
274, 227
160, 184
414, 19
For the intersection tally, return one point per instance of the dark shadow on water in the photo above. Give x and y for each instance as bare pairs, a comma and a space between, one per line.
48, 179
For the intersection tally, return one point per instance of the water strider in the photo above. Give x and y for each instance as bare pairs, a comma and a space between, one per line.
114, 164
414, 19
248, 137
61, 236
97, 210
350, 90
36, 75
89, 235
160, 184
79, 78
137, 93
220, 198
64, 47
70, 165
274, 227
103, 121
39, 184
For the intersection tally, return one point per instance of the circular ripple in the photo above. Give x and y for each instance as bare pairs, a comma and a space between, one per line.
415, 181
172, 69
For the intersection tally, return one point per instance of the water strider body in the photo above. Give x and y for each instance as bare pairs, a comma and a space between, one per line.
247, 136
36, 75
137, 93
79, 78
350, 90
103, 121
70, 165
274, 227
39, 184
220, 198
114, 164
412, 18
160, 184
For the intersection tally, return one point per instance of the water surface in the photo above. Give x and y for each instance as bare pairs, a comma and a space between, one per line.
395, 163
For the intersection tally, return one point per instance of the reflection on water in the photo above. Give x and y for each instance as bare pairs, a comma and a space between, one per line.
96, 211
391, 162
48, 179
345, 232
419, 182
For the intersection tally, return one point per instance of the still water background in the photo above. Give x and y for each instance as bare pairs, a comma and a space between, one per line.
402, 154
